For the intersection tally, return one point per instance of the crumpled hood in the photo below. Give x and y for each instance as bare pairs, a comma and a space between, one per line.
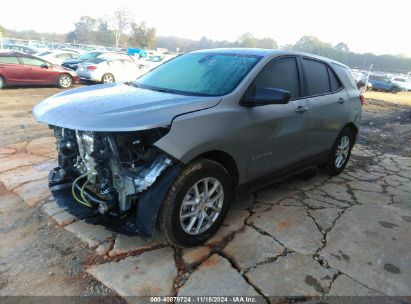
116, 107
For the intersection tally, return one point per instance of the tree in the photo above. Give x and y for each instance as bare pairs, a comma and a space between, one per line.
120, 22
247, 40
142, 36
267, 43
84, 30
104, 35
342, 47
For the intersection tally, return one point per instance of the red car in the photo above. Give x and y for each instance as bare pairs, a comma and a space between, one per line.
22, 69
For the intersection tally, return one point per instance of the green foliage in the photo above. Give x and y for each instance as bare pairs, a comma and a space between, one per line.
142, 36
340, 52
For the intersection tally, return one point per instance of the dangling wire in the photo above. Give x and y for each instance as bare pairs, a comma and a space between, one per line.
84, 201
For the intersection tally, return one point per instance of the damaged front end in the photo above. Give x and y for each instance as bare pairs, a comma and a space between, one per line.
115, 172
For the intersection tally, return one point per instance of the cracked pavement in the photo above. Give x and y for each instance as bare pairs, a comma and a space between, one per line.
306, 236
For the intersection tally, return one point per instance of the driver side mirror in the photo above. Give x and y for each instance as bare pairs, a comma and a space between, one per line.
266, 96
45, 65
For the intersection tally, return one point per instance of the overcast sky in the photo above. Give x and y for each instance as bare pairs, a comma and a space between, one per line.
366, 26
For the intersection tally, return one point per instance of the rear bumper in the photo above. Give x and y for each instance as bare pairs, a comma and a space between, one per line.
89, 76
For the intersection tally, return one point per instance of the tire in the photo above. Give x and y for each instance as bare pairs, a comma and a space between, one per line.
107, 78
395, 90
1, 82
175, 218
65, 81
333, 166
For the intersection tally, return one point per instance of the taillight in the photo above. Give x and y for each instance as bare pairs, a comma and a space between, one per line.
91, 67
362, 98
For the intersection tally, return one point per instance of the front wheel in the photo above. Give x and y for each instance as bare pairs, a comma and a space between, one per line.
395, 90
64, 81
1, 82
340, 152
196, 203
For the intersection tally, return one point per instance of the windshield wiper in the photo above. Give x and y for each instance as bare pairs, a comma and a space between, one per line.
132, 83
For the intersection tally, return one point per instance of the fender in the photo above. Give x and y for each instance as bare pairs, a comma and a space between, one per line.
150, 201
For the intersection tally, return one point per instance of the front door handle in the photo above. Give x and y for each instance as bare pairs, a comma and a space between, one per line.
301, 109
341, 100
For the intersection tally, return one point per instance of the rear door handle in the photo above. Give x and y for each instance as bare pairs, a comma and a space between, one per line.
341, 100
301, 109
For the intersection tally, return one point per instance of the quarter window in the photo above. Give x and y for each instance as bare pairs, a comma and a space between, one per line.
8, 60
280, 74
334, 83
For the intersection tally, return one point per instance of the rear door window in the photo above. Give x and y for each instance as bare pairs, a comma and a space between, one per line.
280, 74
8, 60
316, 75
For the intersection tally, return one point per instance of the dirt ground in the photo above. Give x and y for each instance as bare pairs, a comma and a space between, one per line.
41, 254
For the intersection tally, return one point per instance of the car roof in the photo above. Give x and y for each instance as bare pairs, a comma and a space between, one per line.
19, 54
8, 53
266, 52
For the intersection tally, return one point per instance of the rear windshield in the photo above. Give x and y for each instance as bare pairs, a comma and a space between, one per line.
97, 60
88, 56
206, 74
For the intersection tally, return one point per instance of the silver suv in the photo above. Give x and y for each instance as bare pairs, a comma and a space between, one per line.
174, 147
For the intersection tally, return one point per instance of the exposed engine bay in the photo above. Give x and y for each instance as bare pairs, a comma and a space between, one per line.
109, 171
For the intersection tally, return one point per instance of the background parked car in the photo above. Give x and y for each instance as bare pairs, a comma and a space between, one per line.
152, 62
106, 70
57, 56
403, 83
73, 63
21, 48
383, 83
22, 69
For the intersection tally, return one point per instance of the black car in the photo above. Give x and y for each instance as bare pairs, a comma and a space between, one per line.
73, 63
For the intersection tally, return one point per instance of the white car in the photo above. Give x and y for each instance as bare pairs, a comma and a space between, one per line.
147, 64
404, 83
105, 70
57, 56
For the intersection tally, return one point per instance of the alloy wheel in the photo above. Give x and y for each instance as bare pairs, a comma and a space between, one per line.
108, 78
65, 81
201, 206
341, 153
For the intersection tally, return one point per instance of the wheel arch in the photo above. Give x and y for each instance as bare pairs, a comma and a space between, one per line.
225, 160
64, 73
353, 128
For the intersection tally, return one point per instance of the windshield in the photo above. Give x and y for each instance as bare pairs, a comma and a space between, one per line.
88, 56
199, 74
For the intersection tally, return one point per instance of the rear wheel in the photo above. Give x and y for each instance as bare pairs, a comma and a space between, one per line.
64, 81
196, 203
1, 82
395, 90
107, 78
340, 152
